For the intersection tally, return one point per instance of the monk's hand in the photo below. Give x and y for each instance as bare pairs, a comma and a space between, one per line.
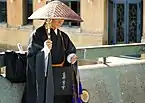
74, 59
48, 44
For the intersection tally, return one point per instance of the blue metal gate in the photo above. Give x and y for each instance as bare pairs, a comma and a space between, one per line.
125, 21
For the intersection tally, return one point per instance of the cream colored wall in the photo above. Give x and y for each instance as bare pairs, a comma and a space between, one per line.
95, 16
10, 37
105, 33
93, 31
16, 12
13, 36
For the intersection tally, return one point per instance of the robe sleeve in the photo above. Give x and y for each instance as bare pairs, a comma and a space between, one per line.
69, 46
34, 46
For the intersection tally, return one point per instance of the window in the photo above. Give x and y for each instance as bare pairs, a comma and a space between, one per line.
29, 11
3, 11
74, 5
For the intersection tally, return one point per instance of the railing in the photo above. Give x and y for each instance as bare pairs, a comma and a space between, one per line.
94, 52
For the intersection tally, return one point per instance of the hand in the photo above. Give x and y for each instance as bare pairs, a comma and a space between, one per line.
74, 59
48, 44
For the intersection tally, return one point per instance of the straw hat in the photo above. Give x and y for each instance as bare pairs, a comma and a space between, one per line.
55, 10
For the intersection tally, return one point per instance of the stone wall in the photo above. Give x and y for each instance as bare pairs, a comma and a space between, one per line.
123, 83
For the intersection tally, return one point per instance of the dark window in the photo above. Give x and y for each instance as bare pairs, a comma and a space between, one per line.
3, 11
74, 5
29, 11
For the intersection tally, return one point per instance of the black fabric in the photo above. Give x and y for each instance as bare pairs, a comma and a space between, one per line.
15, 67
63, 80
44, 84
57, 47
49, 82
63, 99
2, 61
35, 83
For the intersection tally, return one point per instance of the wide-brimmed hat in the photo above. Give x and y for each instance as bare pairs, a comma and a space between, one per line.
55, 10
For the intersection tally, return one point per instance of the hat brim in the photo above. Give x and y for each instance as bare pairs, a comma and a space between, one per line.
45, 18
55, 10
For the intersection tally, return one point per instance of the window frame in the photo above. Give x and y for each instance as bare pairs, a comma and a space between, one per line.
3, 21
78, 11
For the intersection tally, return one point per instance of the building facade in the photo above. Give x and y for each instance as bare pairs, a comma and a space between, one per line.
105, 21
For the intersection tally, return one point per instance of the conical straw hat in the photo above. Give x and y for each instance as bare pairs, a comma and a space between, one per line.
55, 10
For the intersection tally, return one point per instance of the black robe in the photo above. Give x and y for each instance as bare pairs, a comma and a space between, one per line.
36, 44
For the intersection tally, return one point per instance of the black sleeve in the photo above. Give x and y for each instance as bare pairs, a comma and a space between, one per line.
69, 46
34, 46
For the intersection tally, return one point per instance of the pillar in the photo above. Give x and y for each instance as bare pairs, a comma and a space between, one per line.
16, 12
